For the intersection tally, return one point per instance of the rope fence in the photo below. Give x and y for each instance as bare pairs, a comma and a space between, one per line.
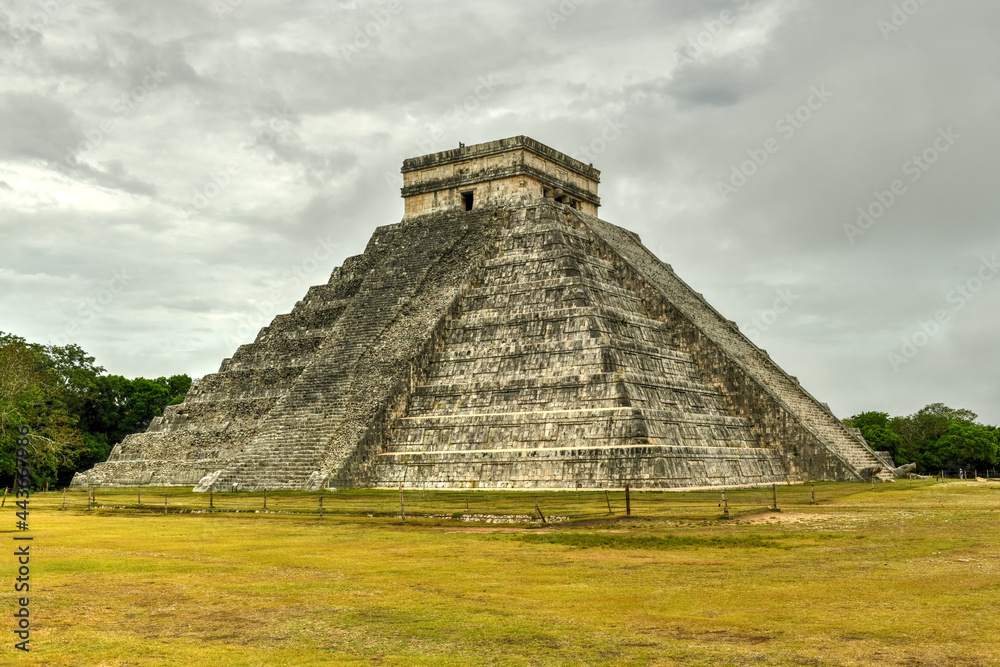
474, 506
982, 474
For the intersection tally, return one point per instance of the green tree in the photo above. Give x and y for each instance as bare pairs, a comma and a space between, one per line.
75, 412
939, 437
875, 428
143, 399
970, 445
930, 422
33, 394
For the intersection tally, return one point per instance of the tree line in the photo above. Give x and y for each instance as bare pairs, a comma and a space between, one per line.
935, 438
75, 410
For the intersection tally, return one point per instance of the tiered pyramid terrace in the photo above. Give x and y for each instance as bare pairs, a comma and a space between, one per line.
500, 336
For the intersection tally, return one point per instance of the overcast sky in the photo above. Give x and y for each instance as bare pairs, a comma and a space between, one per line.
174, 174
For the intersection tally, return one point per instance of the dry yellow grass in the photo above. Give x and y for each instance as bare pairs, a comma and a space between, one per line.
907, 575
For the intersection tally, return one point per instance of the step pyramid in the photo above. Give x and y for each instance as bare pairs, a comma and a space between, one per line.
500, 336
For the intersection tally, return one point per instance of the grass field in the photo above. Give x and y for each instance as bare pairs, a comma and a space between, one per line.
908, 574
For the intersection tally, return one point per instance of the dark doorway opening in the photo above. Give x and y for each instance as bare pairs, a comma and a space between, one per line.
467, 201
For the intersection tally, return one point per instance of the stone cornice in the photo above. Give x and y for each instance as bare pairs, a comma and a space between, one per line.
497, 173
520, 142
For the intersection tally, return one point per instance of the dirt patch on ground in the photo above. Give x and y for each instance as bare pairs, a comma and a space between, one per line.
720, 636
481, 529
784, 517
980, 481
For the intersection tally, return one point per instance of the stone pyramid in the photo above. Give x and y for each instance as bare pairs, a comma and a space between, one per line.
499, 336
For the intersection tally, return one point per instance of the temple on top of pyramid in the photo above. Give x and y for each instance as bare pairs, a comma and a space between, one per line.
499, 336
518, 169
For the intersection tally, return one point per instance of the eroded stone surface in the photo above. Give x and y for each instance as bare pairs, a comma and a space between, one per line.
523, 344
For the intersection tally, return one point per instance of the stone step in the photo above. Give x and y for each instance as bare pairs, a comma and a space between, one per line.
498, 326
581, 467
546, 257
580, 361
523, 267
582, 415
565, 391
248, 383
206, 414
458, 352
551, 293
550, 283
547, 428
281, 352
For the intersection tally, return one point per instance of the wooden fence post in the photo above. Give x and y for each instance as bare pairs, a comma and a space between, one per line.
64, 498
164, 504
539, 511
138, 491
813, 501
725, 504
211, 501
628, 502
2, 502
774, 496
265, 497
608, 498
402, 507
321, 506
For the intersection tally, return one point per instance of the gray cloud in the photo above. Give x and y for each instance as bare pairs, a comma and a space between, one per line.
275, 130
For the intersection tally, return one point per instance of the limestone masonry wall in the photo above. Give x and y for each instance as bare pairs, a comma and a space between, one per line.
522, 344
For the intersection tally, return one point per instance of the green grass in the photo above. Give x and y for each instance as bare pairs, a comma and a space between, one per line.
906, 575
